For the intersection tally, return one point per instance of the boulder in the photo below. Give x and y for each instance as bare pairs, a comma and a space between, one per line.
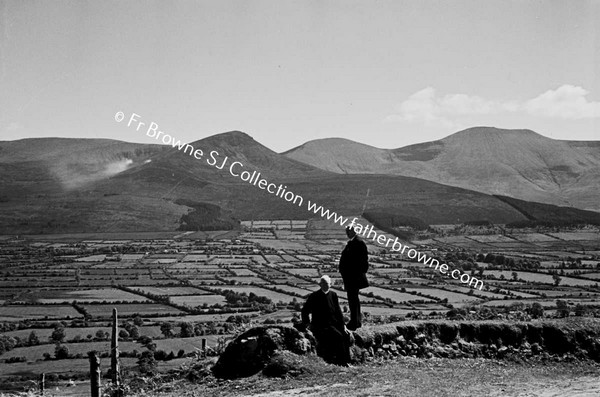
253, 350
284, 363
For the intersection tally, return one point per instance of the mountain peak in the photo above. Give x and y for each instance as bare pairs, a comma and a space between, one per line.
492, 132
327, 145
230, 139
232, 136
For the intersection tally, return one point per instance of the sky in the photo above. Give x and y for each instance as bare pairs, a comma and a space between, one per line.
385, 73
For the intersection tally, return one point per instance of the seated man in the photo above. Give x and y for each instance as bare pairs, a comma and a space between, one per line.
327, 324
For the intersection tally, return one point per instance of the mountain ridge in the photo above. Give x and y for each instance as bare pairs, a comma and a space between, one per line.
159, 187
517, 163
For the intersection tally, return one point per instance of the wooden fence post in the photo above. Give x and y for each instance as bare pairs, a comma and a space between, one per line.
114, 351
94, 373
42, 383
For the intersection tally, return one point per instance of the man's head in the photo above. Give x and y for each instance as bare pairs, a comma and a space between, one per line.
350, 232
325, 283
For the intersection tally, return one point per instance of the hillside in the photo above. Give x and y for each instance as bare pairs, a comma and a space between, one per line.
516, 163
58, 164
54, 186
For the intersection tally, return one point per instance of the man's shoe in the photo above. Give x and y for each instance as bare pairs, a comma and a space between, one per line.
351, 326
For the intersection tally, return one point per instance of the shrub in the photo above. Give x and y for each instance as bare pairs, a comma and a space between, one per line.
58, 335
556, 340
536, 310
469, 331
146, 363
448, 333
16, 359
61, 352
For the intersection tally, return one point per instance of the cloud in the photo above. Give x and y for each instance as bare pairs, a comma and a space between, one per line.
429, 108
422, 107
566, 102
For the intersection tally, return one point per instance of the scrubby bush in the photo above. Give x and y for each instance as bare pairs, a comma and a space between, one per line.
61, 352
556, 340
58, 334
448, 332
147, 364
536, 310
469, 331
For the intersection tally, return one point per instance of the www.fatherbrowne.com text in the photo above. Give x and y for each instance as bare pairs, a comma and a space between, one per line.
253, 177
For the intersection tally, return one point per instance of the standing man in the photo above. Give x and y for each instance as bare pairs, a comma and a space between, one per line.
322, 311
354, 264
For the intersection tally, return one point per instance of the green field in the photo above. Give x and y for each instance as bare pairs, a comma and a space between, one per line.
22, 312
395, 296
540, 278
130, 309
197, 300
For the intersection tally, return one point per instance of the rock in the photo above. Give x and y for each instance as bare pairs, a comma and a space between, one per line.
440, 352
502, 351
363, 337
284, 363
252, 351
358, 354
466, 346
400, 341
420, 338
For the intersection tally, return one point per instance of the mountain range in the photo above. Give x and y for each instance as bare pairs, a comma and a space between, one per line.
515, 163
58, 185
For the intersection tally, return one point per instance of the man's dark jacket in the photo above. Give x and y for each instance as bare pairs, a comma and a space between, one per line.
354, 264
324, 309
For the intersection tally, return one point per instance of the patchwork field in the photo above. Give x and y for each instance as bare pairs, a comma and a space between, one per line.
90, 295
453, 297
540, 278
130, 309
23, 312
198, 300
175, 283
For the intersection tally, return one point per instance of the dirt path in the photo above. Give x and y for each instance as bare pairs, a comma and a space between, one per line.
423, 378
586, 386
577, 387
